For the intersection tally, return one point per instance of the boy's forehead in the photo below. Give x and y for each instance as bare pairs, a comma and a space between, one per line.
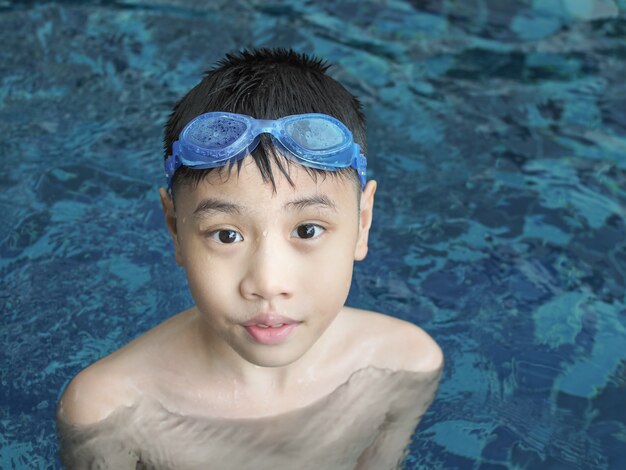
247, 189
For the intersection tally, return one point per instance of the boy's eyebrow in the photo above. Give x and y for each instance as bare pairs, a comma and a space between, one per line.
316, 200
212, 205
209, 205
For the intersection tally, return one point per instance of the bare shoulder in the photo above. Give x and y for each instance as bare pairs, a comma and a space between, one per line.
399, 344
92, 395
116, 380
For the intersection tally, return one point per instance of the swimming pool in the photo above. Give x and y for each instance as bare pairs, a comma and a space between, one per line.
497, 133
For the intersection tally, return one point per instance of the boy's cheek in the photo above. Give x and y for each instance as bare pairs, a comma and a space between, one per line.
210, 292
333, 272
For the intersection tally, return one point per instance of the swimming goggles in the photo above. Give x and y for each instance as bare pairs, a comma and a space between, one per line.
314, 140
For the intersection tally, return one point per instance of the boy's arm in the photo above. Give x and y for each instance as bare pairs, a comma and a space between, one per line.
423, 356
110, 452
390, 447
90, 435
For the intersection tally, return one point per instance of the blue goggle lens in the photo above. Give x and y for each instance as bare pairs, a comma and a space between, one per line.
315, 134
215, 133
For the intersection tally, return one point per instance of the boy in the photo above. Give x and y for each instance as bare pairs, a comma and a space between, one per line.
269, 369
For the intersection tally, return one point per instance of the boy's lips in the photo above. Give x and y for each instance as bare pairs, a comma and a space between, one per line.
271, 335
269, 319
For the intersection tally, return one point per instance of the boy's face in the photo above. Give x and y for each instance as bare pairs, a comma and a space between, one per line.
247, 251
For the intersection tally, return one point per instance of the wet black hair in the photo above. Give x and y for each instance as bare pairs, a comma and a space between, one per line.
266, 84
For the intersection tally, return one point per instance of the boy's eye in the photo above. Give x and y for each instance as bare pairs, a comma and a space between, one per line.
226, 236
308, 231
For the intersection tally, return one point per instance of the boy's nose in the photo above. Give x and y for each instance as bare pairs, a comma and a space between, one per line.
268, 275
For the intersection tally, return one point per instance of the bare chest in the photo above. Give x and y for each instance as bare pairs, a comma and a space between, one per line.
232, 400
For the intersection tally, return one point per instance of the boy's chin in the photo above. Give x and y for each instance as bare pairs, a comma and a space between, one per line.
276, 355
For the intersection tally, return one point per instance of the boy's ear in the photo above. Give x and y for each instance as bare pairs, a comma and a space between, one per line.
170, 221
365, 219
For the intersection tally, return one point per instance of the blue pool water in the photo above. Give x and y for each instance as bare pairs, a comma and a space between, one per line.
497, 133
